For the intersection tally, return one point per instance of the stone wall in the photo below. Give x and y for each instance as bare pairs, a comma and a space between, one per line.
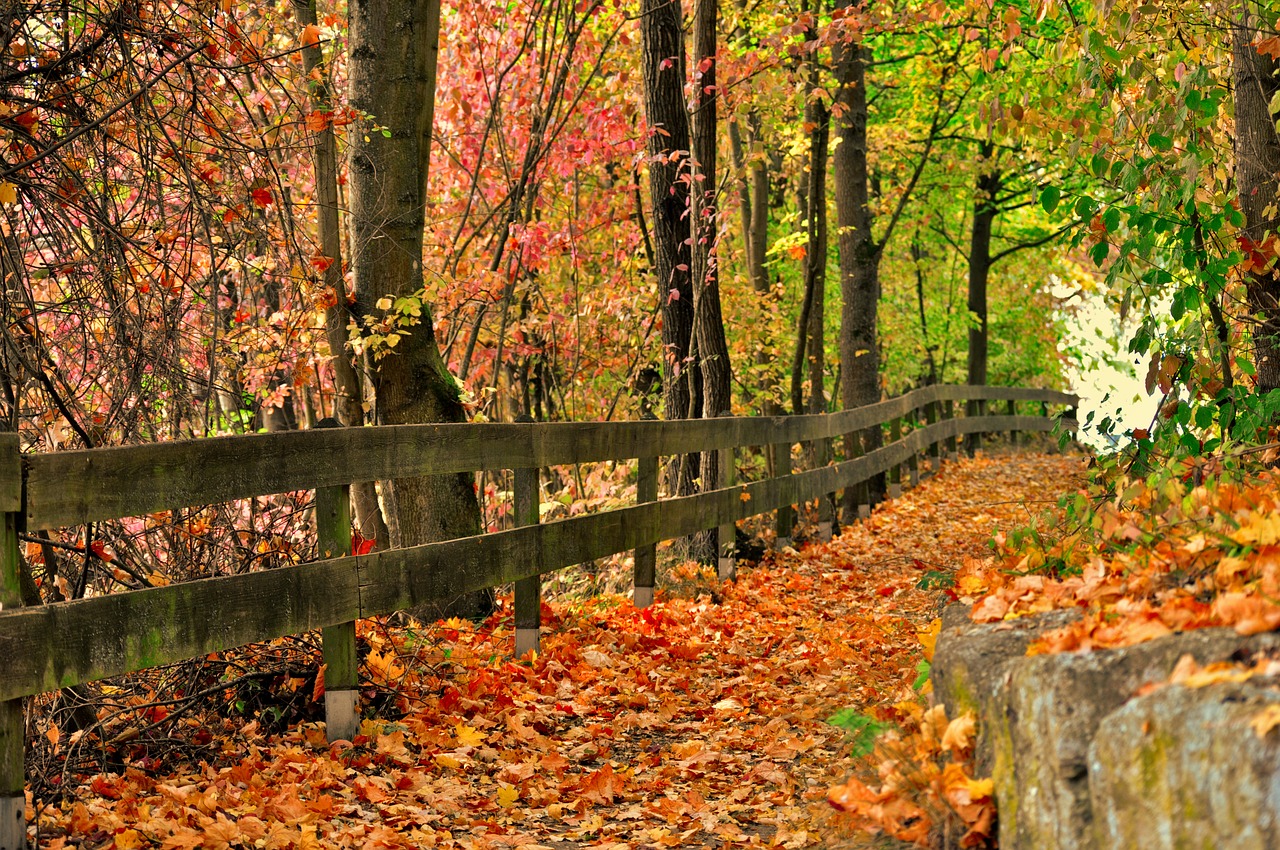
1081, 762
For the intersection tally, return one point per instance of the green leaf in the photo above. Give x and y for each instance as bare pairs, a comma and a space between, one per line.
922, 678
1204, 417
1160, 143
1099, 253
861, 729
1111, 219
1049, 197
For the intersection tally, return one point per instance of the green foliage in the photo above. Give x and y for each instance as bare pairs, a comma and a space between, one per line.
860, 729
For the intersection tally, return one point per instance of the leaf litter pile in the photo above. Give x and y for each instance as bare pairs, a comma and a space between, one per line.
700, 721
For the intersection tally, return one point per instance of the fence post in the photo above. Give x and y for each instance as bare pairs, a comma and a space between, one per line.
827, 501
528, 601
949, 412
914, 462
13, 799
785, 518
973, 440
646, 557
931, 417
341, 668
1012, 409
727, 534
895, 471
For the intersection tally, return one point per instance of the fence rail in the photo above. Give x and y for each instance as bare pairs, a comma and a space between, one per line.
69, 643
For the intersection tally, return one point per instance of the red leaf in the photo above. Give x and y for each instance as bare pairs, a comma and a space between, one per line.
262, 197
317, 121
360, 546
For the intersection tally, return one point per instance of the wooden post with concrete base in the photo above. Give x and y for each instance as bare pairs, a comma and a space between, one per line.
727, 535
13, 799
528, 601
646, 557
895, 471
931, 417
949, 412
973, 440
913, 463
785, 517
827, 501
341, 667
857, 496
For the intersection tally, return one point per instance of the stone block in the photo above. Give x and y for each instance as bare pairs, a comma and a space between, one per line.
1183, 768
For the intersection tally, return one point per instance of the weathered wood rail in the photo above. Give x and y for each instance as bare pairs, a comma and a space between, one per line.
64, 644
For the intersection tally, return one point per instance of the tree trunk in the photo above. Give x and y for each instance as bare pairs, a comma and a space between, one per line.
663, 67
393, 45
708, 320
859, 260
753, 206
349, 401
984, 216
818, 119
1257, 153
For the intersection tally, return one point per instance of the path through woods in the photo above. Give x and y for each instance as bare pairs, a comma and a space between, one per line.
699, 722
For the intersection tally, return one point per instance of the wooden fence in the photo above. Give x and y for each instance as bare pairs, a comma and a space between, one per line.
59, 645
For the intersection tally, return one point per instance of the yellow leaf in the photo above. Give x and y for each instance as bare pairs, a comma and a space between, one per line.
129, 839
507, 796
929, 638
959, 734
8, 193
468, 737
1266, 720
979, 788
446, 760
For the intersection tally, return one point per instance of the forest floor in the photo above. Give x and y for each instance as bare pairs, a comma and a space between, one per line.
700, 722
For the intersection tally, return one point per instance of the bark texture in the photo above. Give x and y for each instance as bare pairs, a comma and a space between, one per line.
752, 168
713, 350
984, 216
350, 396
708, 319
663, 69
394, 44
859, 260
1257, 153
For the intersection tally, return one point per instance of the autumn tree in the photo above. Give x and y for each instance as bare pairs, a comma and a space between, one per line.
394, 45
861, 247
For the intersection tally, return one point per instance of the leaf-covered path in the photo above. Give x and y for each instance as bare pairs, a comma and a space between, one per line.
699, 722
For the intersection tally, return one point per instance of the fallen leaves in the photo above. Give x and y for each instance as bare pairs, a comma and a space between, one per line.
1160, 556
691, 723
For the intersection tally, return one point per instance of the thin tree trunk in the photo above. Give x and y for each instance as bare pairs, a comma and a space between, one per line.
984, 215
818, 119
663, 66
392, 74
918, 257
753, 207
859, 261
1257, 154
349, 401
708, 319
